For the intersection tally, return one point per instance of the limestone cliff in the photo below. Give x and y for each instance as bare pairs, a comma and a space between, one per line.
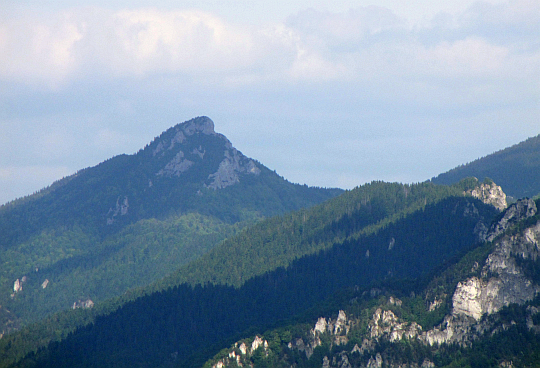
501, 281
490, 193
195, 144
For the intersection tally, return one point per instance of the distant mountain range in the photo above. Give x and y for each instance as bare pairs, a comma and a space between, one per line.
199, 256
516, 169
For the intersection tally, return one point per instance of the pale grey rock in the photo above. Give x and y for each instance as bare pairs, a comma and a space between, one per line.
320, 326
45, 284
241, 352
159, 148
203, 125
257, 342
121, 208
531, 311
176, 166
490, 194
385, 324
229, 169
427, 364
391, 243
17, 286
198, 125
395, 301
179, 137
84, 304
341, 324
502, 282
376, 362
344, 361
452, 329
124, 207
518, 211
326, 362
243, 348
435, 304
506, 364
338, 329
199, 152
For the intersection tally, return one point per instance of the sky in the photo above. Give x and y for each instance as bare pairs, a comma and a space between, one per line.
327, 93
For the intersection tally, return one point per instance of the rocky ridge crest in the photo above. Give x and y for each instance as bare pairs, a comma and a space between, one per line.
490, 193
185, 140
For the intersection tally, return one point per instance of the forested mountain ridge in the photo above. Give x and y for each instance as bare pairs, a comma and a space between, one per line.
482, 311
516, 169
133, 219
378, 240
278, 241
364, 235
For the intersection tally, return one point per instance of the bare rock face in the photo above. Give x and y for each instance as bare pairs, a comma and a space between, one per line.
501, 282
120, 209
84, 304
229, 169
176, 166
17, 286
231, 165
241, 353
385, 324
518, 211
202, 125
490, 193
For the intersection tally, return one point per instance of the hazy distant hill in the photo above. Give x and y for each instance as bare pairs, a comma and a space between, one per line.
133, 219
516, 169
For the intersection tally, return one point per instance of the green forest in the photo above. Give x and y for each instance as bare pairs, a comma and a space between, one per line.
360, 254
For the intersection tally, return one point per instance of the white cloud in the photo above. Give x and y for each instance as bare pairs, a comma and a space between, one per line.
361, 43
110, 80
38, 49
471, 57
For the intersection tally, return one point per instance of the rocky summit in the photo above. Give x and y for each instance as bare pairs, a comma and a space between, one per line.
188, 144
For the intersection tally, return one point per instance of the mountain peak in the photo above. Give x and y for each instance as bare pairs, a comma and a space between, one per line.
194, 150
201, 124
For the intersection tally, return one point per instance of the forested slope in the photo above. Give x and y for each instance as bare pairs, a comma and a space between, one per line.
478, 310
516, 169
372, 233
278, 241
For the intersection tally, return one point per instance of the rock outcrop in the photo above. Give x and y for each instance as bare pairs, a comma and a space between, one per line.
229, 169
120, 209
241, 352
385, 324
188, 156
17, 286
501, 282
518, 211
490, 193
84, 304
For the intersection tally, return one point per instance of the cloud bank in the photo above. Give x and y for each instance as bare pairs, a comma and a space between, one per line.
381, 81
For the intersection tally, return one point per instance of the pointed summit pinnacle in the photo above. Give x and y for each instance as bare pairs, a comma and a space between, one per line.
201, 124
